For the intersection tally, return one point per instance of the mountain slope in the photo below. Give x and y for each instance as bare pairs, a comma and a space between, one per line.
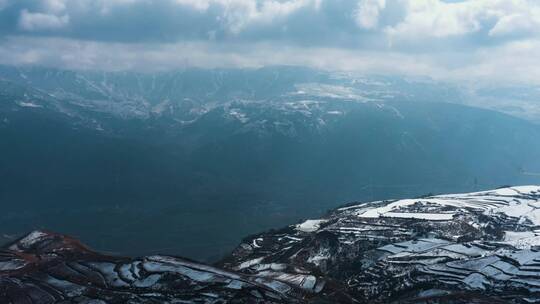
50, 268
479, 247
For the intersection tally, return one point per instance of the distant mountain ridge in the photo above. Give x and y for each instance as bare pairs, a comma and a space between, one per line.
183, 94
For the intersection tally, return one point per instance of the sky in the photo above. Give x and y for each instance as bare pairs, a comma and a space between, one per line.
475, 40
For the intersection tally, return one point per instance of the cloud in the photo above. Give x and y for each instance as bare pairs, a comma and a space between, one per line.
303, 21
438, 38
73, 54
345, 23
367, 13
55, 6
509, 63
39, 21
517, 24
432, 18
435, 18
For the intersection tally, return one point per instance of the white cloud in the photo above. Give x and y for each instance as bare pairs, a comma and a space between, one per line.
409, 21
105, 6
510, 63
40, 21
55, 6
201, 5
513, 62
367, 13
239, 14
439, 19
518, 23
434, 18
483, 39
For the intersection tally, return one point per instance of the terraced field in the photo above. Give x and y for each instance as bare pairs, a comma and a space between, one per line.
480, 247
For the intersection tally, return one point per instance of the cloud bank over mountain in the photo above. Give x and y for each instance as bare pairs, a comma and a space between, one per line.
463, 40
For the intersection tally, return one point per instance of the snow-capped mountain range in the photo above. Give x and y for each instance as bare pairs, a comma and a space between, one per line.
480, 247
184, 96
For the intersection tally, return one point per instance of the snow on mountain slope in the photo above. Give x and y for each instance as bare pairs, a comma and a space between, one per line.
396, 251
455, 248
186, 93
522, 205
45, 268
142, 96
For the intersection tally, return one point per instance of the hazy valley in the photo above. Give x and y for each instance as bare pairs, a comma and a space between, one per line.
189, 162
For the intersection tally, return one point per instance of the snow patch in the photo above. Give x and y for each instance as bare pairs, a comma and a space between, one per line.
516, 202
522, 240
425, 216
28, 104
310, 225
29, 240
250, 263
